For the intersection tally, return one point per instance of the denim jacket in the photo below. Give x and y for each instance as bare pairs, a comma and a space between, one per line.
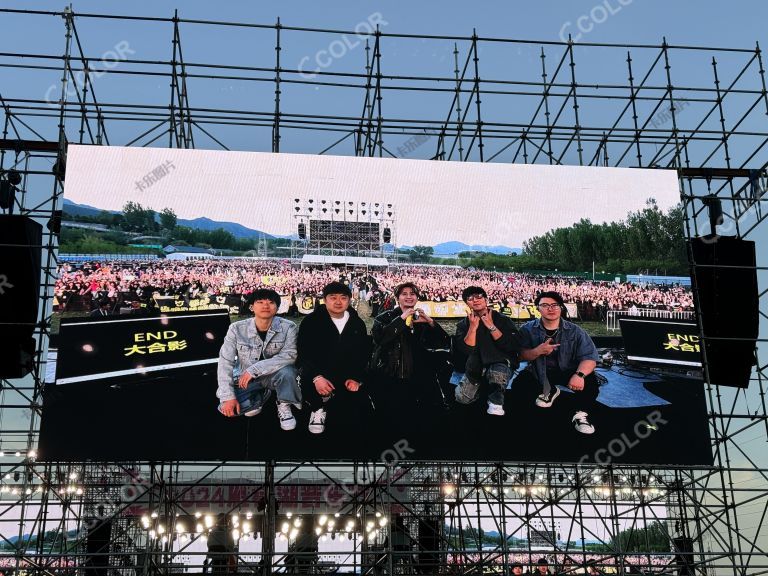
242, 349
575, 346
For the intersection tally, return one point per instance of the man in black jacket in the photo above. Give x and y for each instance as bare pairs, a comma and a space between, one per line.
491, 344
333, 349
403, 338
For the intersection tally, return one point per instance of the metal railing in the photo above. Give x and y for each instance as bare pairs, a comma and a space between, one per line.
612, 316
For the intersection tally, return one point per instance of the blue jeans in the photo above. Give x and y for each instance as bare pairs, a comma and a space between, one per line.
258, 391
497, 375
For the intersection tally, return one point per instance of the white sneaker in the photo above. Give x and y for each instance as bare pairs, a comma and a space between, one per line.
287, 421
317, 421
495, 409
546, 400
581, 423
254, 412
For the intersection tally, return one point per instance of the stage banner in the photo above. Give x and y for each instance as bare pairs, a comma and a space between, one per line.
229, 302
124, 346
458, 309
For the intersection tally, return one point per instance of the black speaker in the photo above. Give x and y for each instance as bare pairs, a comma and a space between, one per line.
302, 231
429, 545
387, 235
97, 547
684, 556
725, 278
20, 249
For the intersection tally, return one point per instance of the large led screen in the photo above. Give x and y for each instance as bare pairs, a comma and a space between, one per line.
235, 305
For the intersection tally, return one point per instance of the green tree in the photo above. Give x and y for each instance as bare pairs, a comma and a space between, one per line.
168, 219
139, 219
649, 539
421, 253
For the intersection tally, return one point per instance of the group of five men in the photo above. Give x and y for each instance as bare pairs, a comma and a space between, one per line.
329, 358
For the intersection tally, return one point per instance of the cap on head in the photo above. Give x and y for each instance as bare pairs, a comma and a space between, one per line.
337, 288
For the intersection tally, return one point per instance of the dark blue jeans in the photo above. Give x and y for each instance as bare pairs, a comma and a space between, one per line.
497, 375
283, 382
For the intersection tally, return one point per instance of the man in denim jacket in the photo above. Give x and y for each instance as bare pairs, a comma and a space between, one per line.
562, 354
257, 358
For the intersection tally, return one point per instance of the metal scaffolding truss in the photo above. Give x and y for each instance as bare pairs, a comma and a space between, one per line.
701, 110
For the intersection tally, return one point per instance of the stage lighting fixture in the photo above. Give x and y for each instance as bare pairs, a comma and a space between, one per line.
296, 200
715, 211
13, 177
310, 200
337, 202
296, 208
59, 170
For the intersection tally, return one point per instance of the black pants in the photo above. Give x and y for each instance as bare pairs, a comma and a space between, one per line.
582, 400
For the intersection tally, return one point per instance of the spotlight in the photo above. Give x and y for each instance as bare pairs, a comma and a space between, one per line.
13, 177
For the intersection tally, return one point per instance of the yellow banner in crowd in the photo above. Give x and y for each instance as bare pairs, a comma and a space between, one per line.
449, 309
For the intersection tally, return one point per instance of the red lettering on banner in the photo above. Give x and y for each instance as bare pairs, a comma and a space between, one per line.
335, 494
238, 493
218, 495
257, 495
310, 494
201, 494
288, 493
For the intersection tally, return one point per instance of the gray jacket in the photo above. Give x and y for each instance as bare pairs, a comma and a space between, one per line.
242, 348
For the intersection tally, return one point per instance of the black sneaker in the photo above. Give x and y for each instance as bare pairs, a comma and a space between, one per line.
546, 400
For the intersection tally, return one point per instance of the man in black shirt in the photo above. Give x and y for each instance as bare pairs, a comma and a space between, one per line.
333, 351
491, 344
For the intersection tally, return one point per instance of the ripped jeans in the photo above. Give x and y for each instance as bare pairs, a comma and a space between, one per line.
497, 375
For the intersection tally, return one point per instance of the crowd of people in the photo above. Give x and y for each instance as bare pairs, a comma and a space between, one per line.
83, 286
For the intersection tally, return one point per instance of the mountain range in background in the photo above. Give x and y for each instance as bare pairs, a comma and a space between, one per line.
239, 231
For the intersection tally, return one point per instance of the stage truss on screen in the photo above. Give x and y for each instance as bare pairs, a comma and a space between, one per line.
698, 108
343, 229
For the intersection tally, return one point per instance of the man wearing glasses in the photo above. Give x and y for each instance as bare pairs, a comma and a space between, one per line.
491, 346
562, 354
